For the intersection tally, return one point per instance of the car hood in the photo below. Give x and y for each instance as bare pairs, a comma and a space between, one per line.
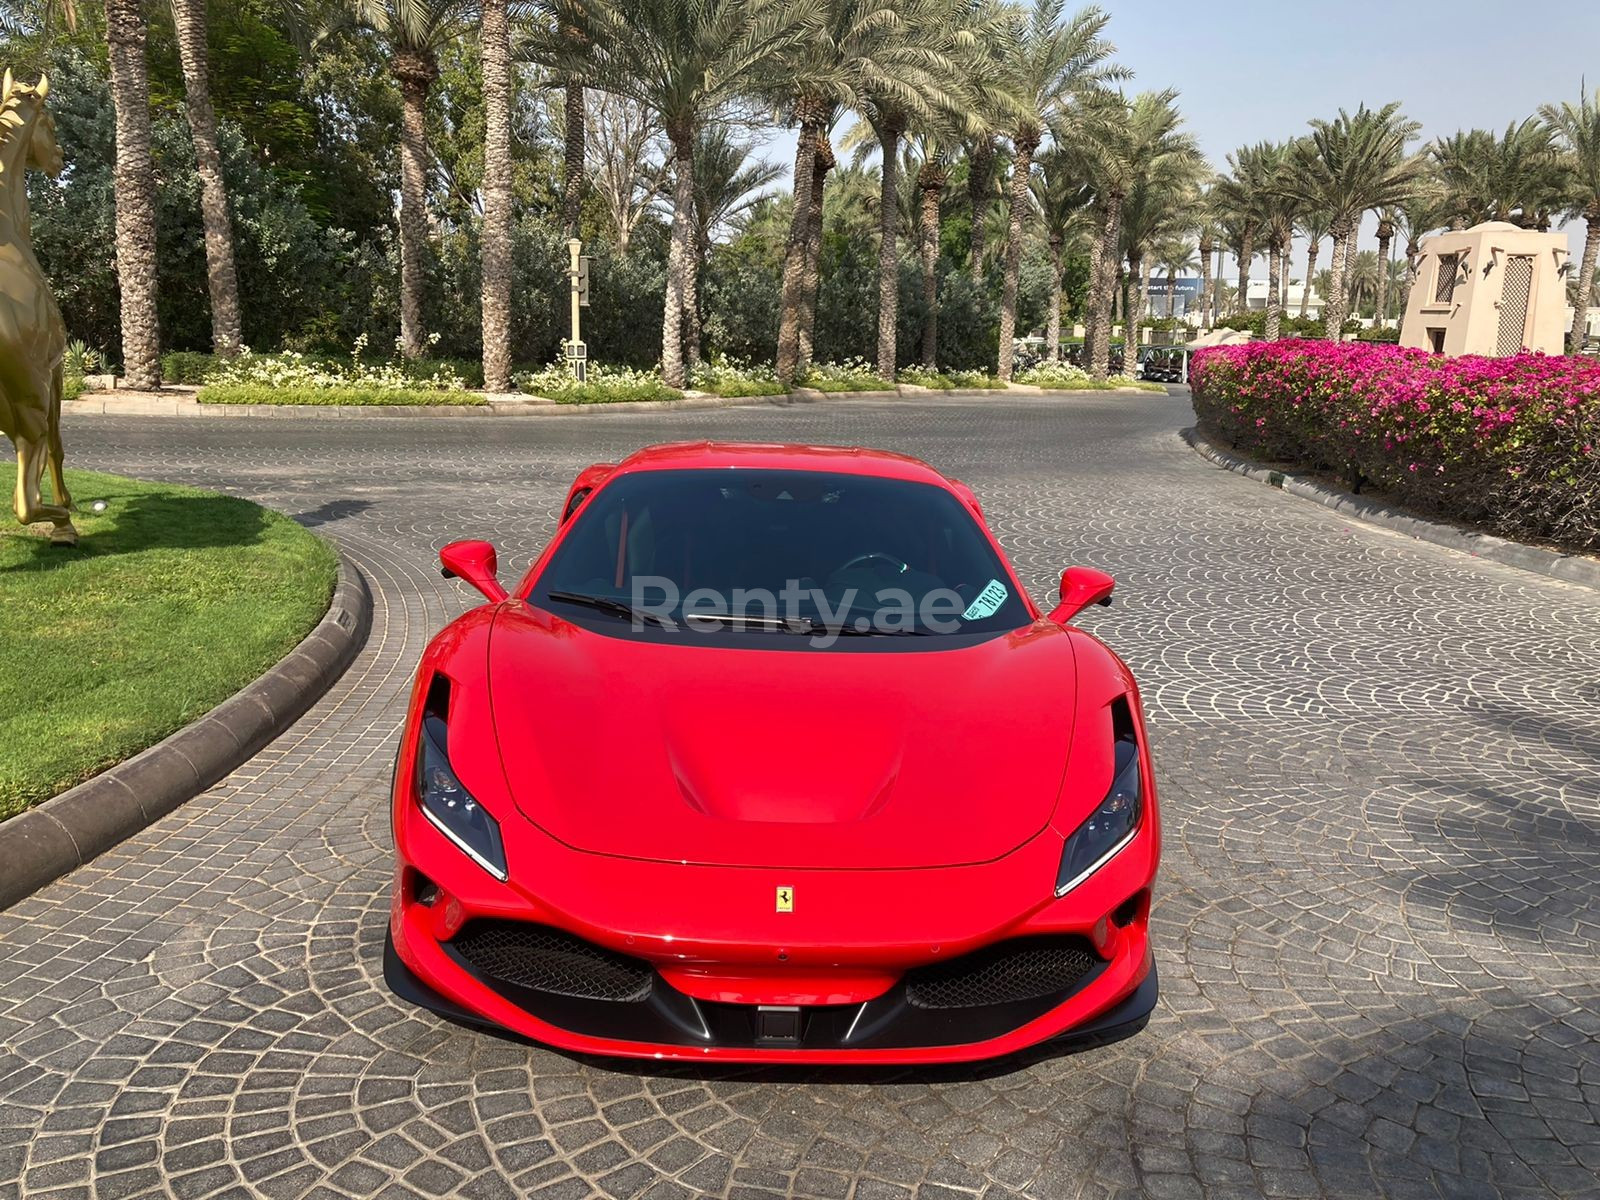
846, 758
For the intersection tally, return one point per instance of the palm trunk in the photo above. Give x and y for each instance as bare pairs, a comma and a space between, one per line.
888, 249
1135, 312
1023, 143
1334, 305
1172, 294
1413, 250
135, 195
794, 250
1206, 250
1246, 252
980, 175
1091, 308
222, 281
1274, 305
572, 163
1311, 272
1110, 235
1580, 307
1053, 329
415, 73
692, 332
1216, 292
1385, 237
495, 248
680, 258
930, 189
813, 268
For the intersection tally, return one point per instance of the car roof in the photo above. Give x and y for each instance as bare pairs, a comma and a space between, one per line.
845, 460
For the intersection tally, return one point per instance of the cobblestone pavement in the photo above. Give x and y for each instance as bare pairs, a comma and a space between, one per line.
1377, 925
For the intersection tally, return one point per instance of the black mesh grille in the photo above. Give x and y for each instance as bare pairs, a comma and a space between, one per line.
548, 960
1025, 969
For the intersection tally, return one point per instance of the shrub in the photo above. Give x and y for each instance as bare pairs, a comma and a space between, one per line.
1055, 375
296, 371
851, 375
323, 395
604, 385
724, 376
949, 381
188, 366
71, 387
1511, 443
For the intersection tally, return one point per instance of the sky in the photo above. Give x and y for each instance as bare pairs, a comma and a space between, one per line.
1456, 65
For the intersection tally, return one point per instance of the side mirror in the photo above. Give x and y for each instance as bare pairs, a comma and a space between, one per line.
476, 563
1081, 587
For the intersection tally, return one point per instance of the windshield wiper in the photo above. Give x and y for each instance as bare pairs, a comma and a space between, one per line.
616, 608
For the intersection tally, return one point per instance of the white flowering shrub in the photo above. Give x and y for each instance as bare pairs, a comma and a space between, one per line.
1055, 375
851, 375
722, 375
292, 370
603, 384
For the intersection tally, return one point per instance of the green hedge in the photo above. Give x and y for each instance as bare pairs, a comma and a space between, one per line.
618, 392
250, 393
187, 366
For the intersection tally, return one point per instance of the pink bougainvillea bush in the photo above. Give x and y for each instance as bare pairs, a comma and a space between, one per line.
1510, 443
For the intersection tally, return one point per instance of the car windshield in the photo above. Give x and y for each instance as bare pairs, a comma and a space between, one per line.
782, 552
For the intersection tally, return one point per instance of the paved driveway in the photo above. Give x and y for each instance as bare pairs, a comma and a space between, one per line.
1377, 924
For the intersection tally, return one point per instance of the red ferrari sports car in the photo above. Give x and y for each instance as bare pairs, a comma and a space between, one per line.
770, 758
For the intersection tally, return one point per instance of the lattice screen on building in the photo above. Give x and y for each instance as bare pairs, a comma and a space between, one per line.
1444, 287
1514, 304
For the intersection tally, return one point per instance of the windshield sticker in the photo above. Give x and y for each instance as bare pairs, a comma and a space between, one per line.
988, 602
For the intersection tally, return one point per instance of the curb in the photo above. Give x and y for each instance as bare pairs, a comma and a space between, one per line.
183, 404
43, 843
1570, 568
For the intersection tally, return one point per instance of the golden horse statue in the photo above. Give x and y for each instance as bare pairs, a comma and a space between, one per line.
33, 337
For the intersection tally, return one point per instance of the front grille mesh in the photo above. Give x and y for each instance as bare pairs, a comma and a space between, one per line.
548, 960
1024, 969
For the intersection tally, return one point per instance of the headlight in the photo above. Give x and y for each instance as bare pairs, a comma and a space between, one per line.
450, 807
1112, 825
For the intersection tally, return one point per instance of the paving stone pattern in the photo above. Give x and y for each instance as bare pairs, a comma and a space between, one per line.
1377, 922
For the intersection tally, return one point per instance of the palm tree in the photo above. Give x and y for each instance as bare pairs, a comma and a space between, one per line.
1419, 214
1207, 245
414, 32
1313, 223
726, 185
682, 59
1577, 126
1517, 177
1064, 198
1123, 143
1160, 204
928, 95
1346, 167
1175, 256
931, 178
1051, 68
1388, 220
980, 198
135, 194
811, 276
494, 47
222, 280
859, 46
1267, 212
1364, 279
562, 49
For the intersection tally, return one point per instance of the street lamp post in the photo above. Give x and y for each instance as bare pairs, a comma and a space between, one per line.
578, 281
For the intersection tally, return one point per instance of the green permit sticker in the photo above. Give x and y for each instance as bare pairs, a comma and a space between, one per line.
988, 602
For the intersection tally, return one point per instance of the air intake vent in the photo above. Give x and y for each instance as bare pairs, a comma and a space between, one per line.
1024, 969
548, 960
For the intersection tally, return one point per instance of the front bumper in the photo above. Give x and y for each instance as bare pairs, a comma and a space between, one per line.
825, 1028
724, 977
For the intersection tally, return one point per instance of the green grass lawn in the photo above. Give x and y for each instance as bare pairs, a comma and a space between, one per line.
172, 601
